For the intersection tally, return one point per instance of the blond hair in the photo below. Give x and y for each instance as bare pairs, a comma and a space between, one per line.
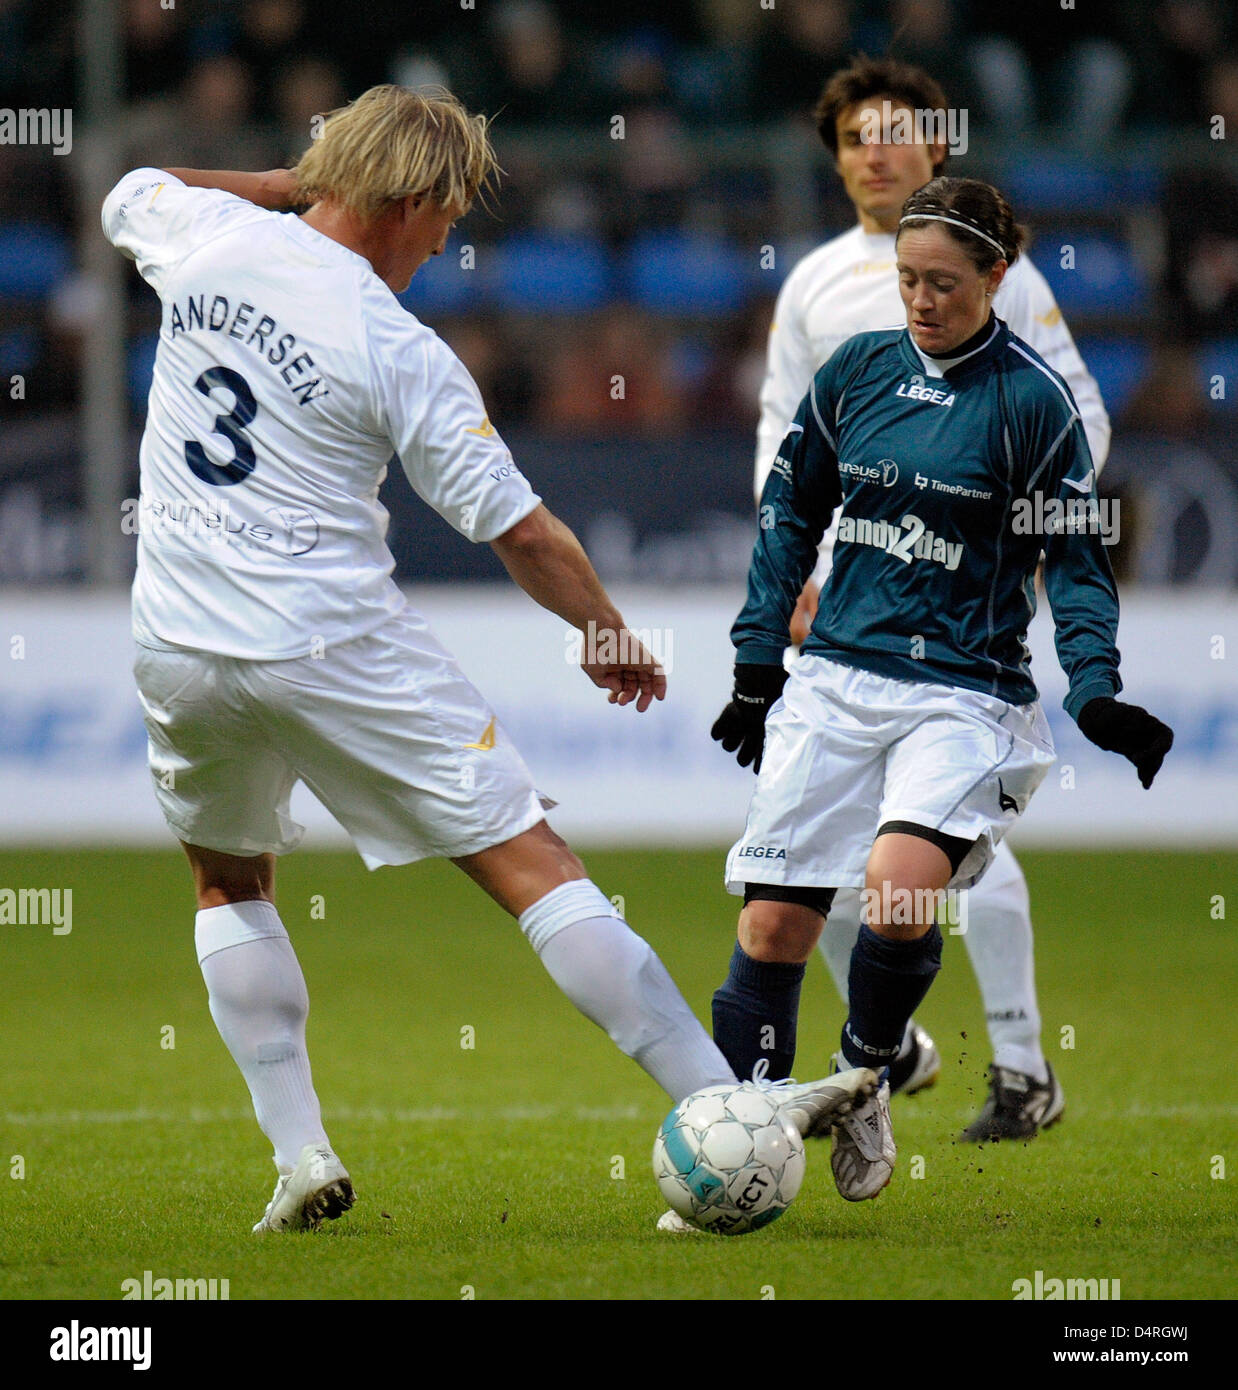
392, 143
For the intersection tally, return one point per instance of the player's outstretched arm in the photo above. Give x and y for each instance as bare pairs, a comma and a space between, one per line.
548, 562
1084, 601
275, 189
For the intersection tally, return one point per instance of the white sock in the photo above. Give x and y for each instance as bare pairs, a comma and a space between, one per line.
259, 1003
842, 927
614, 978
999, 942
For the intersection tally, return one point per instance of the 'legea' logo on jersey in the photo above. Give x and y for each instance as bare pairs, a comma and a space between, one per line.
917, 390
909, 540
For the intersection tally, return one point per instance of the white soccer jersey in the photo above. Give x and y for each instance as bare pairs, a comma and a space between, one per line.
849, 285
287, 375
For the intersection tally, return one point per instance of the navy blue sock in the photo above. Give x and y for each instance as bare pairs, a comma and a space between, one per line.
755, 1013
888, 979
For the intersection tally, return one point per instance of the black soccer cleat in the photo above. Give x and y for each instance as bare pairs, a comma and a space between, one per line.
1018, 1106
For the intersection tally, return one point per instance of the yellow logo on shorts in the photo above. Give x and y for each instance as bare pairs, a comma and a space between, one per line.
486, 742
486, 429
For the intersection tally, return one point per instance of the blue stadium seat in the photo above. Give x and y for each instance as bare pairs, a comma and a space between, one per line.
682, 273
33, 259
550, 272
1105, 277
1143, 179
1220, 358
1118, 364
19, 350
1059, 183
141, 369
442, 286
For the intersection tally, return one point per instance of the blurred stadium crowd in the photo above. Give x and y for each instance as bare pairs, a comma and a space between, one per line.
655, 249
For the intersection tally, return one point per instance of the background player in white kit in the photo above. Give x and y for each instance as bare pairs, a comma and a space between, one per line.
849, 285
273, 645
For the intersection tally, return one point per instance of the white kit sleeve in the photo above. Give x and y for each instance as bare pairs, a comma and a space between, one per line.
1026, 303
455, 459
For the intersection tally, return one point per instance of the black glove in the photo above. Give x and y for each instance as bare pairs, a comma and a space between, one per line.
742, 724
1129, 730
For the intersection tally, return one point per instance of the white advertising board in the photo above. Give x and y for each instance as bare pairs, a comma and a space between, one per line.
72, 747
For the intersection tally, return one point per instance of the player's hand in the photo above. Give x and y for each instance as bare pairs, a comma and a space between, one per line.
279, 189
626, 668
1129, 730
805, 612
740, 728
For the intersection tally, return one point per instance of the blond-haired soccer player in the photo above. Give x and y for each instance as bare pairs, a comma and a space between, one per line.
272, 643
846, 286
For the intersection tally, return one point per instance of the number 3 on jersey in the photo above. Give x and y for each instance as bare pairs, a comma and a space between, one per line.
231, 426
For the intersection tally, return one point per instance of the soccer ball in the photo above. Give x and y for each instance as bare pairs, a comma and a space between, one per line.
727, 1161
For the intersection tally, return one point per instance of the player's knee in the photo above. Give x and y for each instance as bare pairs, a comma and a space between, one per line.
220, 879
782, 924
568, 861
906, 854
906, 883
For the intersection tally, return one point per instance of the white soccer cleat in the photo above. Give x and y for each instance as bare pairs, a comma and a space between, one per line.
318, 1189
863, 1154
672, 1221
814, 1106
919, 1069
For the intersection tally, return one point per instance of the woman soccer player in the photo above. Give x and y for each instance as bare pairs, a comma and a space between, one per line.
908, 737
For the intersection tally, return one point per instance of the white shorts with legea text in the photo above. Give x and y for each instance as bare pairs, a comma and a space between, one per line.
847, 750
386, 731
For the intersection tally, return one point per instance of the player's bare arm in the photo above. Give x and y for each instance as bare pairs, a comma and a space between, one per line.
544, 557
274, 189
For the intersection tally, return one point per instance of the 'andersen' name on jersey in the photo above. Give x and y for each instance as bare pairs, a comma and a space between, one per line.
262, 335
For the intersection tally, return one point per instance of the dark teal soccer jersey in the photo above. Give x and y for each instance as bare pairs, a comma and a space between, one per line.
949, 489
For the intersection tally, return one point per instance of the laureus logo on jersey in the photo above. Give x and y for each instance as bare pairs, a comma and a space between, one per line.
883, 473
294, 530
289, 531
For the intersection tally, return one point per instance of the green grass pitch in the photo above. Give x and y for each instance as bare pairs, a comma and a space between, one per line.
500, 1145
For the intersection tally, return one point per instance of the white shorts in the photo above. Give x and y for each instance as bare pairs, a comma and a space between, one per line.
386, 731
847, 750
